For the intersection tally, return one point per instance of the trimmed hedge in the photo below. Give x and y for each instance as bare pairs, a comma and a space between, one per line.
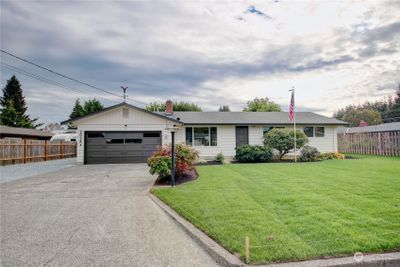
249, 153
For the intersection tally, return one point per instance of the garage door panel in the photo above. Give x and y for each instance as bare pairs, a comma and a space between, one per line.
120, 147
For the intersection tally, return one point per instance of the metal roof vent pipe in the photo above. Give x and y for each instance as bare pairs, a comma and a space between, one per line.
169, 108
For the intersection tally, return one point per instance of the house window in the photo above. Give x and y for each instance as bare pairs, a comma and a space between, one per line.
309, 131
319, 131
96, 135
266, 129
189, 136
314, 131
115, 141
151, 134
213, 136
134, 141
201, 136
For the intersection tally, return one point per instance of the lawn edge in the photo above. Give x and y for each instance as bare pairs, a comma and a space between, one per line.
368, 260
225, 258
215, 250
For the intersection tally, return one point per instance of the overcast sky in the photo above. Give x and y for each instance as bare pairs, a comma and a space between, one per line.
208, 52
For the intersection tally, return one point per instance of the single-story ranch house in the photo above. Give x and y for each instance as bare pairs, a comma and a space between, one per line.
125, 133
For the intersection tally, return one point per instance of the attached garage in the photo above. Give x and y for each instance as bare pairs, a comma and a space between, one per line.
120, 147
121, 134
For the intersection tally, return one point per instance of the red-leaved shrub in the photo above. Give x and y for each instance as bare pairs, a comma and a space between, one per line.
160, 161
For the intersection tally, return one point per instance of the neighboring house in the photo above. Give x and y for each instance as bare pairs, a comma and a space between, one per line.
385, 127
23, 133
126, 133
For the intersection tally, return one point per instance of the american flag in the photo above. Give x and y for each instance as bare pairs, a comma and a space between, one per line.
291, 110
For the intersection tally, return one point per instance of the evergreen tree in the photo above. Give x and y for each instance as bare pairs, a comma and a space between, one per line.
393, 113
13, 91
92, 105
89, 106
77, 110
224, 108
14, 106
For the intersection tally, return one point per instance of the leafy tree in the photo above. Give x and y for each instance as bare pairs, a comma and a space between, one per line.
92, 105
262, 105
224, 108
77, 110
14, 106
371, 116
156, 106
89, 106
388, 109
178, 106
354, 114
283, 140
393, 112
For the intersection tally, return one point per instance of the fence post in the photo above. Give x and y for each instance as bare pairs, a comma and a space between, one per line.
45, 150
25, 151
61, 149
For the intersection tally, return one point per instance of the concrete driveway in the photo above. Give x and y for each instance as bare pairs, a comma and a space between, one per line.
97, 215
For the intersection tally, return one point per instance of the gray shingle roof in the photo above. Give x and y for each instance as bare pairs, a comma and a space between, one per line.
386, 127
253, 118
7, 130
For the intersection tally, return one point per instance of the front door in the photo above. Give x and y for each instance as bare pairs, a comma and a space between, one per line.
242, 135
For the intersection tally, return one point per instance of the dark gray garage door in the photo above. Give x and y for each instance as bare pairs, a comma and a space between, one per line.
120, 147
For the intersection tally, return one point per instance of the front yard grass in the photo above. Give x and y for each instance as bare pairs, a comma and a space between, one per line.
295, 211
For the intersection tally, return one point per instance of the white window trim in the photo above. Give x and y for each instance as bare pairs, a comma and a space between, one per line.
314, 131
209, 135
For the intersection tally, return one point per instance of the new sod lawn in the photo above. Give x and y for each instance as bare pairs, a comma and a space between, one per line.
295, 211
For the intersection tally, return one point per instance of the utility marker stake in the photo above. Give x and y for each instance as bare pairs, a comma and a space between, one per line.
247, 249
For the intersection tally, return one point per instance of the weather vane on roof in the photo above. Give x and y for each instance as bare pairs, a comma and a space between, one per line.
125, 95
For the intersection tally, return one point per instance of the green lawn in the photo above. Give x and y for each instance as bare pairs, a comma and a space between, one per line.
295, 211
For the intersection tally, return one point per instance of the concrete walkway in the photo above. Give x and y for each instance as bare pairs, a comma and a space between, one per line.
92, 215
19, 171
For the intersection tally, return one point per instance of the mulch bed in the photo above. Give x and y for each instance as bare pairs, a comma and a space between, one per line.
187, 177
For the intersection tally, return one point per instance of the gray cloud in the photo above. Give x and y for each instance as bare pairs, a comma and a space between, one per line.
146, 47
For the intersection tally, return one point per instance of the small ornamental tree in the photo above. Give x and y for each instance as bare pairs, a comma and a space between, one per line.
283, 140
160, 161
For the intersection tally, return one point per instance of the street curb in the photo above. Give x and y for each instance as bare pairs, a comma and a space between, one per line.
372, 260
218, 253
225, 258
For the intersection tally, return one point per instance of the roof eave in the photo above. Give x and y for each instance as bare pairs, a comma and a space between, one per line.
117, 106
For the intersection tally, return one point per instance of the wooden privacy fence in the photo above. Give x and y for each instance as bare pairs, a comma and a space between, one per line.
373, 143
13, 151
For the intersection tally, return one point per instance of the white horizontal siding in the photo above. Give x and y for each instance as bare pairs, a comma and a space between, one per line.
113, 120
256, 135
328, 143
226, 141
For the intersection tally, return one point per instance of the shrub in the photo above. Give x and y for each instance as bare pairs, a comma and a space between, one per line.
309, 153
160, 165
283, 140
330, 155
249, 153
160, 161
220, 158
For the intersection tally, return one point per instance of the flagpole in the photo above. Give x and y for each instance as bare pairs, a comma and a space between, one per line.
294, 125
